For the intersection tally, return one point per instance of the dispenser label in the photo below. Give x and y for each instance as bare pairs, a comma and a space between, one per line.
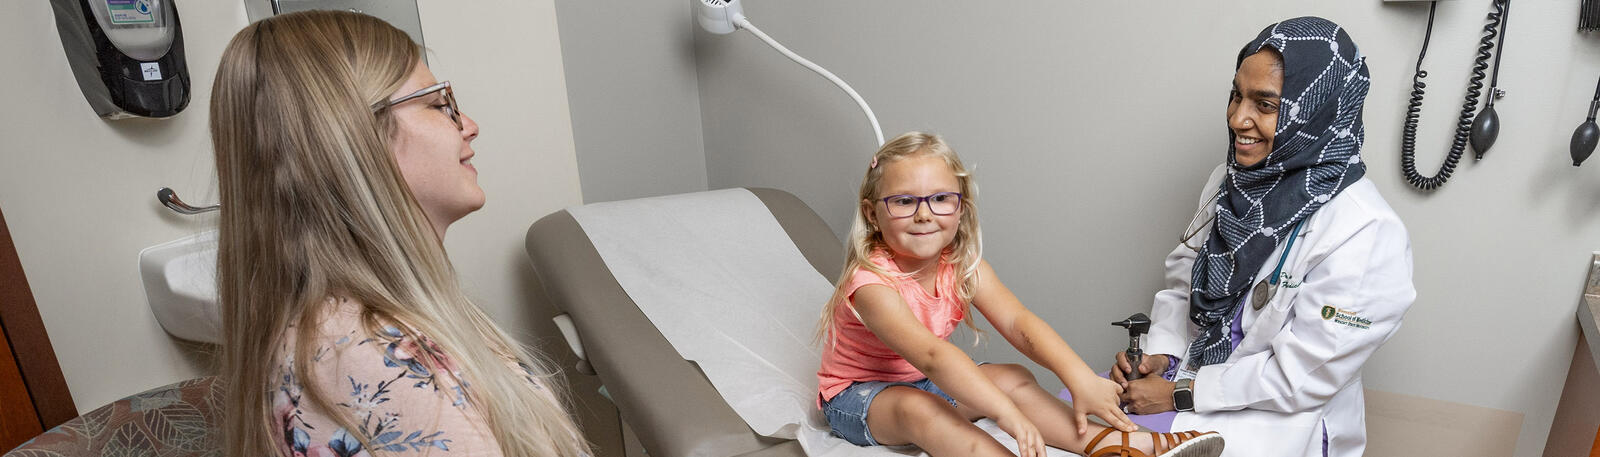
131, 11
151, 71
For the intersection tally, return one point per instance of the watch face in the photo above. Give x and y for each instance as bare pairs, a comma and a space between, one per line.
1183, 400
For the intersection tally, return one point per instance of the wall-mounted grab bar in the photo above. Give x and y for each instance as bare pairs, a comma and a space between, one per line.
169, 199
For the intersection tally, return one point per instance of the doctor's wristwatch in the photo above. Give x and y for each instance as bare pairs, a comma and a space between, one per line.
1183, 395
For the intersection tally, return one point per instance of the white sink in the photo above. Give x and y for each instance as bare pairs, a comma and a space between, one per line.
180, 284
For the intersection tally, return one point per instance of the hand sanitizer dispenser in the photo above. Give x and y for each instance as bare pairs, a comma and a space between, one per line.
127, 55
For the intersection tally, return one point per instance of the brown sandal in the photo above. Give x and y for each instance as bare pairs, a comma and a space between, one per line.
1181, 444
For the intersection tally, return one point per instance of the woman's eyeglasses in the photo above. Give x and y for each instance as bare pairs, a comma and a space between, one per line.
942, 204
449, 101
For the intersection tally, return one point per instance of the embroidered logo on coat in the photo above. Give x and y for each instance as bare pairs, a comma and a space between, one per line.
1345, 317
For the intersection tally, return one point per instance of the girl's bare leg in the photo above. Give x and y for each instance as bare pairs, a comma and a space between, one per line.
904, 415
1053, 417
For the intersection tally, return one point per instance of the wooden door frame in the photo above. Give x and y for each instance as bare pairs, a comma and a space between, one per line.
19, 315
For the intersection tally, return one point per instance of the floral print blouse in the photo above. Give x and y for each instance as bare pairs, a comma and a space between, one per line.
401, 404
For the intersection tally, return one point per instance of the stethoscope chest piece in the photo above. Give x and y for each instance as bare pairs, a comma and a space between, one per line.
1268, 287
1262, 294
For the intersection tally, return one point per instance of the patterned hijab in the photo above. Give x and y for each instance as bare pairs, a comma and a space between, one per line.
1316, 154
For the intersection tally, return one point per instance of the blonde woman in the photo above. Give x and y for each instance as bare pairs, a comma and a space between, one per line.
342, 161
914, 270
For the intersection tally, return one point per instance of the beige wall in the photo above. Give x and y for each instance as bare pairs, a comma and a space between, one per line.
636, 104
78, 192
79, 195
1092, 125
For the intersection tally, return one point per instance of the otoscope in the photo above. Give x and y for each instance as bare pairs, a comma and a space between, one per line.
1137, 324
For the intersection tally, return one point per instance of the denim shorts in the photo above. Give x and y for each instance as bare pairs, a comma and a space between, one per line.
847, 411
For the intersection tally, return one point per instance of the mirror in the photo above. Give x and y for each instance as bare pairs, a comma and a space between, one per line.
401, 13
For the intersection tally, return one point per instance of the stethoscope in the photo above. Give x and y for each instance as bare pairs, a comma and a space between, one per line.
1268, 287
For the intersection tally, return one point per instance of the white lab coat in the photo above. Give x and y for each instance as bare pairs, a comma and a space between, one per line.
1296, 373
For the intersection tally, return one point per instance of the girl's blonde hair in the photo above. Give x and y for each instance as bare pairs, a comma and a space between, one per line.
964, 251
315, 208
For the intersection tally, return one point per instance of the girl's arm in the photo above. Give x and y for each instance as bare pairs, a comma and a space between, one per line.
889, 318
1040, 343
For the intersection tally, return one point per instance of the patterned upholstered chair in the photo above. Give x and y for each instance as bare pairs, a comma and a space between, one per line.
177, 420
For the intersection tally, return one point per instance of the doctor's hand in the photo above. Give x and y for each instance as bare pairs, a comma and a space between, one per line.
1099, 396
1151, 364
1149, 395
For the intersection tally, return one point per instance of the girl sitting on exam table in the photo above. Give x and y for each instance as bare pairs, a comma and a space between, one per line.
341, 162
890, 376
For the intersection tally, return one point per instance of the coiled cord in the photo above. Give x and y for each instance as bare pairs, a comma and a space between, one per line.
1408, 135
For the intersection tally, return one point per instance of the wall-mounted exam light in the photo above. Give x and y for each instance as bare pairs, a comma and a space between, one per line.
726, 16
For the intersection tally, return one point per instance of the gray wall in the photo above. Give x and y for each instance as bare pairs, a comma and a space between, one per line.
636, 106
1091, 126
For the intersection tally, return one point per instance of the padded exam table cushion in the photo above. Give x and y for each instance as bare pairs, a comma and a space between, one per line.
673, 408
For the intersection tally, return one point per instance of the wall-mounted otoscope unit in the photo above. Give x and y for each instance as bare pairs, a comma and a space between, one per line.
1137, 325
726, 16
127, 55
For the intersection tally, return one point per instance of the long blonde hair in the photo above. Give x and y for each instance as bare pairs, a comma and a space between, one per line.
965, 251
315, 208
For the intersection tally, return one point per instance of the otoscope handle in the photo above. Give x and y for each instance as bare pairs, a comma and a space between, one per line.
1137, 324
1135, 357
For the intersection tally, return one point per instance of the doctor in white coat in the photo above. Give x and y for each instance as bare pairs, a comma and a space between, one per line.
1294, 270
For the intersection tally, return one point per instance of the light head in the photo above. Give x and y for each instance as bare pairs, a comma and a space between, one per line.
1137, 324
718, 16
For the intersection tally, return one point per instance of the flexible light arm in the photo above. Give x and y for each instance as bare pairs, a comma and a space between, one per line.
743, 23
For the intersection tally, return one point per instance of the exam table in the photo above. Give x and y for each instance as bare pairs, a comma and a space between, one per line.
672, 408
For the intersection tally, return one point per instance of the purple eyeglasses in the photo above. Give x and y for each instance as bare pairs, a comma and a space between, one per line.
942, 204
